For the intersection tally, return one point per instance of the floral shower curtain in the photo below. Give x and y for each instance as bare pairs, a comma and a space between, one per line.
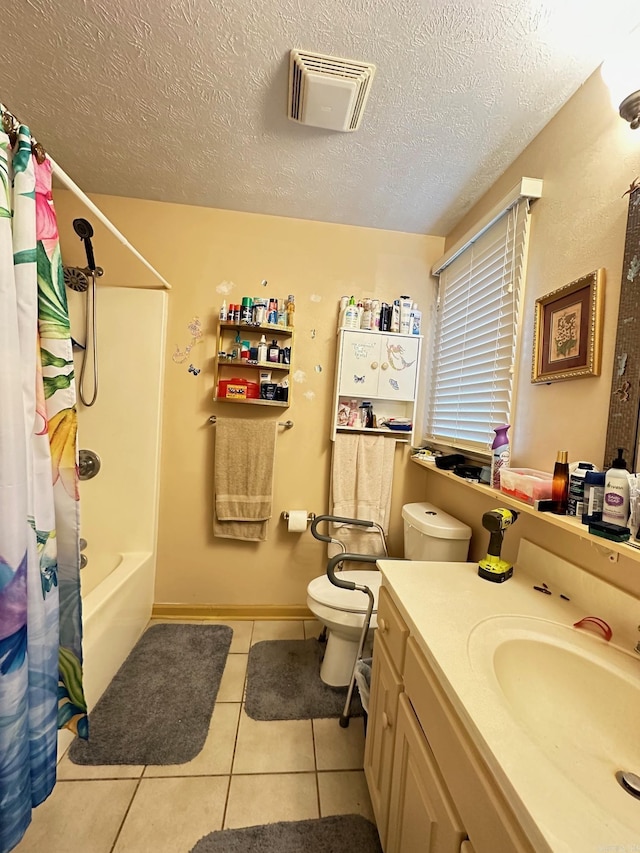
40, 618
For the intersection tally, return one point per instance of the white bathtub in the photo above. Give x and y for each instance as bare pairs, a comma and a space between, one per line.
114, 615
119, 507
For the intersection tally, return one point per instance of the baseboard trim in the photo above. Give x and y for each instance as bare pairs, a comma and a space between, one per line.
236, 612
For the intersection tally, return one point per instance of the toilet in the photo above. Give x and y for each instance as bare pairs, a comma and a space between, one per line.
429, 534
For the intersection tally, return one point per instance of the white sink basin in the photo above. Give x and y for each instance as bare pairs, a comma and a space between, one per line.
575, 695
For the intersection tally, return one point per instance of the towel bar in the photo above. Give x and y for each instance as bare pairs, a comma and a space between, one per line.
285, 424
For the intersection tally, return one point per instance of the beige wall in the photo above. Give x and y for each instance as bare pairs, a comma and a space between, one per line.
197, 249
587, 157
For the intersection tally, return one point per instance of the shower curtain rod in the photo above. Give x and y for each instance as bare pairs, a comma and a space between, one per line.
84, 198
10, 122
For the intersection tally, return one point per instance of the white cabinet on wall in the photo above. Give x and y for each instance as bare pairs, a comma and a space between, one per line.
380, 368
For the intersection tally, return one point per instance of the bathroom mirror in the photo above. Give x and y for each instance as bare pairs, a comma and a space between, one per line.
624, 405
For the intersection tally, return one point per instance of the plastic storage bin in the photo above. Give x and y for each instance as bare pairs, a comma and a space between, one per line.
526, 484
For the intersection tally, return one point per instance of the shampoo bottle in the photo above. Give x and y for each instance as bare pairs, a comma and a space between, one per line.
615, 509
351, 315
560, 484
500, 454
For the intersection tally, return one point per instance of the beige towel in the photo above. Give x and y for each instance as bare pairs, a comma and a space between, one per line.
361, 479
243, 478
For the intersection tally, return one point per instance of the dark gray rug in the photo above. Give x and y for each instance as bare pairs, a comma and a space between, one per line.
157, 709
340, 834
283, 683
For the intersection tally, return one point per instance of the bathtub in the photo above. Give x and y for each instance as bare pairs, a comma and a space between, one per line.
119, 507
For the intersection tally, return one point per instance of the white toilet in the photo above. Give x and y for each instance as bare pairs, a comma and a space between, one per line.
429, 534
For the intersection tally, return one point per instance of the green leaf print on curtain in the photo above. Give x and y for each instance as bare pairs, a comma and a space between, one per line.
61, 416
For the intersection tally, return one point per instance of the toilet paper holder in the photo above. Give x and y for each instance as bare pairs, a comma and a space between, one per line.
310, 516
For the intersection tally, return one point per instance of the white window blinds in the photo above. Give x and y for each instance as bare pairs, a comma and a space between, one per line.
475, 336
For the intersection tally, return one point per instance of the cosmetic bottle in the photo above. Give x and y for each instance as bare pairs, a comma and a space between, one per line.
351, 315
416, 319
615, 509
560, 484
273, 352
576, 488
223, 311
262, 350
395, 316
405, 315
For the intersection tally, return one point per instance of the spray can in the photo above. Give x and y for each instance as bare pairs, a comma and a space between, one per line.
223, 311
395, 316
500, 454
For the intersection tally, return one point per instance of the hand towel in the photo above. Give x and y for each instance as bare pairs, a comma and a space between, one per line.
243, 477
361, 480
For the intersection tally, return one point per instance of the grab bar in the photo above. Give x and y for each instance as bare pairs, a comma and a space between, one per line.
336, 519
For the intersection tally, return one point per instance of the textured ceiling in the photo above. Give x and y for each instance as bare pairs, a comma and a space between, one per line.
185, 100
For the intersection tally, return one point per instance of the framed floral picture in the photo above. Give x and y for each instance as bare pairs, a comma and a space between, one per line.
567, 340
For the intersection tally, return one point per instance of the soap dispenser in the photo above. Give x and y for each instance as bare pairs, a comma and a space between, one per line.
616, 492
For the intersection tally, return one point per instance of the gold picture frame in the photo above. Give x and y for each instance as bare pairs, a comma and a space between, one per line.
567, 340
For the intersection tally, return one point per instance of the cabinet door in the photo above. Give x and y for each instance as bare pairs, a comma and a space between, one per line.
399, 359
386, 686
422, 817
359, 364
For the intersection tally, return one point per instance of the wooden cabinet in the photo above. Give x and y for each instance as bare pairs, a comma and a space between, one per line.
422, 817
431, 790
380, 367
230, 365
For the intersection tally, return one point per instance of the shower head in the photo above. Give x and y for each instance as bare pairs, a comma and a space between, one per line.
84, 230
76, 279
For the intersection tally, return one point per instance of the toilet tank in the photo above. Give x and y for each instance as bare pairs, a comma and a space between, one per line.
431, 534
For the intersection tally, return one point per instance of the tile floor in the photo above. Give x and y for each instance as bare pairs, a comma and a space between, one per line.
248, 773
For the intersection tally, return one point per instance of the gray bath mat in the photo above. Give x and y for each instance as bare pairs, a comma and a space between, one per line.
340, 834
157, 709
283, 683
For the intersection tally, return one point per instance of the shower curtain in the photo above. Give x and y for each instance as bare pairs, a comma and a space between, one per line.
40, 618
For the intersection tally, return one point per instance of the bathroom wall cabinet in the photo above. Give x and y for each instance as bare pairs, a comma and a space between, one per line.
430, 789
229, 364
380, 367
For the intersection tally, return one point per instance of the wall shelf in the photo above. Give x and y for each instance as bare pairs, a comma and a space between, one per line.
280, 404
568, 523
230, 336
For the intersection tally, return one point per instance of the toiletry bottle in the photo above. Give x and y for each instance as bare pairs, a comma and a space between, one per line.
615, 509
246, 311
272, 314
342, 307
273, 352
262, 349
385, 317
576, 488
395, 316
351, 315
593, 496
375, 315
365, 321
405, 315
416, 319
500, 454
291, 309
223, 311
560, 484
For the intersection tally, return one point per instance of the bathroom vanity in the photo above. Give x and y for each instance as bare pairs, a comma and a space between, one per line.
474, 744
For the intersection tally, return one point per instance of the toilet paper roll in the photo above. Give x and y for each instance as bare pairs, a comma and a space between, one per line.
297, 520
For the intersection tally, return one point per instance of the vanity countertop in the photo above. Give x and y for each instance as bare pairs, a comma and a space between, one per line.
444, 605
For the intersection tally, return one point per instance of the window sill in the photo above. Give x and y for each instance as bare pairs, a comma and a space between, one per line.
568, 523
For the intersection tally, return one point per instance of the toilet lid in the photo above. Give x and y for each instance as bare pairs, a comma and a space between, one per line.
324, 592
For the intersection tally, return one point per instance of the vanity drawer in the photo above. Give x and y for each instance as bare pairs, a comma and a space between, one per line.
485, 812
392, 629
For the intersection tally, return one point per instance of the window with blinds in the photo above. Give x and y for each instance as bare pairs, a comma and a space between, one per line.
474, 344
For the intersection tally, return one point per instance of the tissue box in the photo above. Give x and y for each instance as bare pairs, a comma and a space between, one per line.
526, 484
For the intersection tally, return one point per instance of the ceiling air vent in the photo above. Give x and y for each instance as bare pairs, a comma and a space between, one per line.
328, 92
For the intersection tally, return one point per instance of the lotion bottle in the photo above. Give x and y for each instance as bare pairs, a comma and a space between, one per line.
616, 492
351, 315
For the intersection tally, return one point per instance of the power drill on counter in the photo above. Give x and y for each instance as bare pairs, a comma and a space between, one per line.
492, 567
